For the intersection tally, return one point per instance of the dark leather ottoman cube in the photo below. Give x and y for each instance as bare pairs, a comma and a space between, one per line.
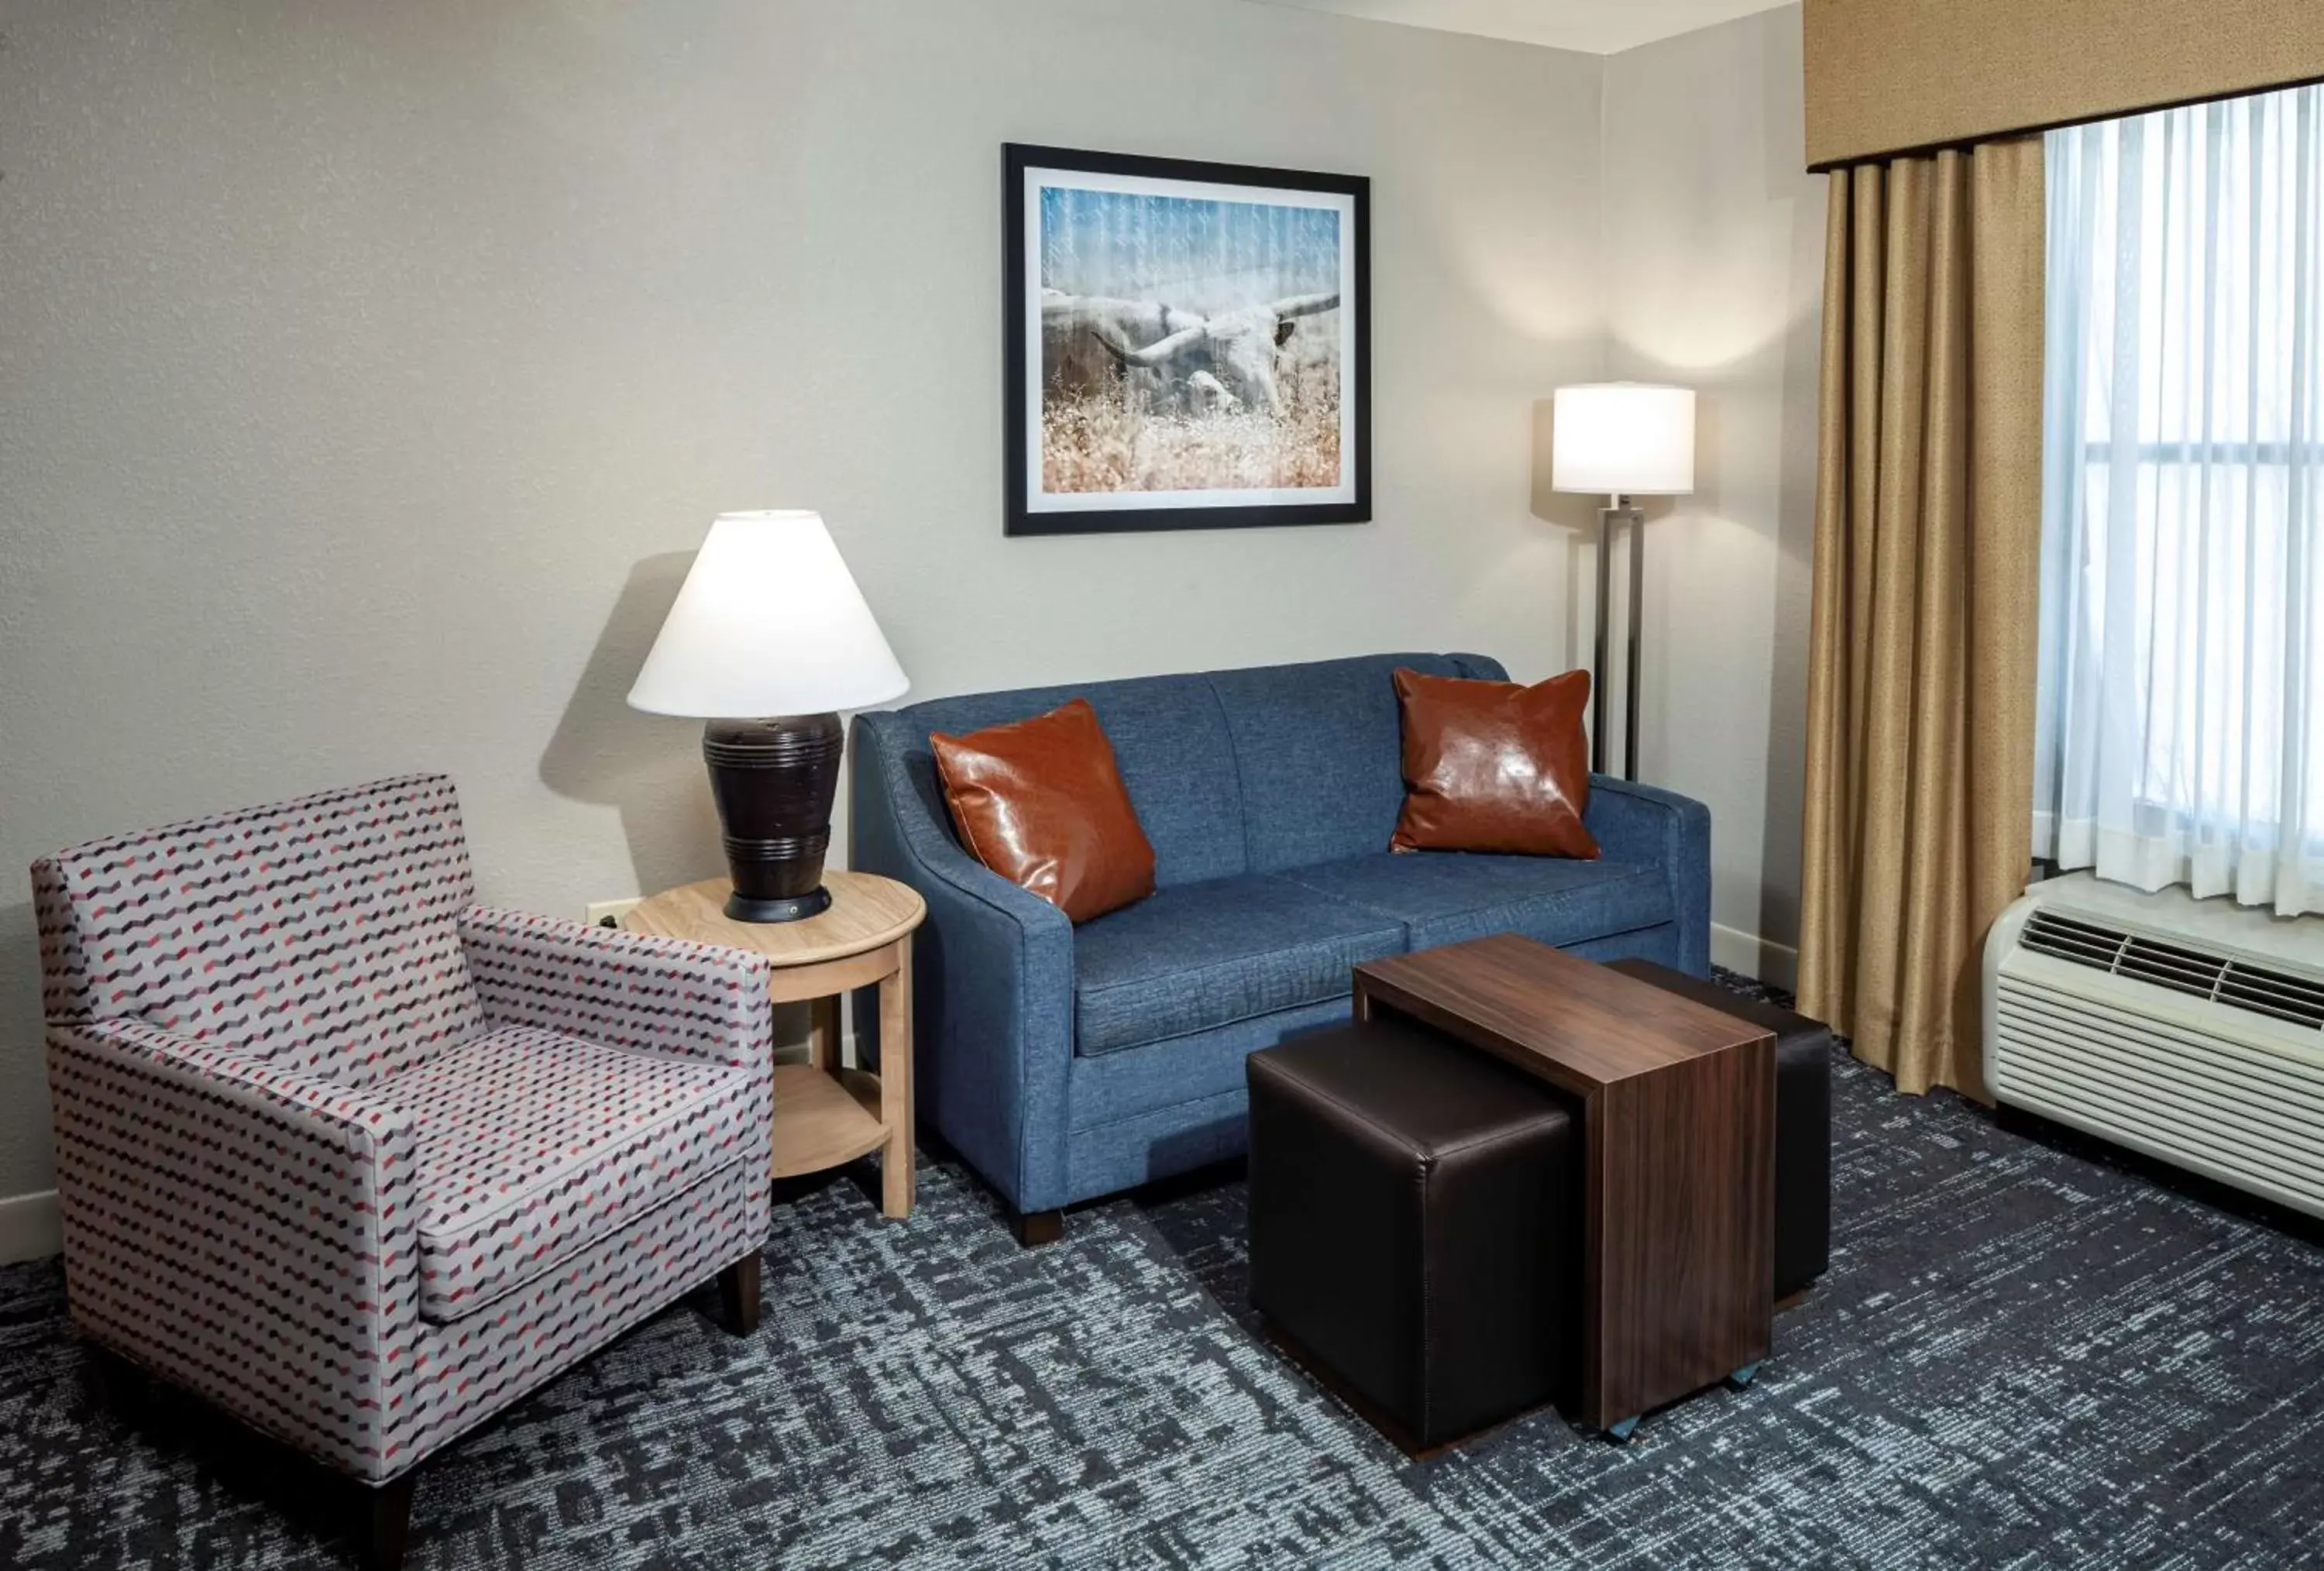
1803, 1120
1412, 1213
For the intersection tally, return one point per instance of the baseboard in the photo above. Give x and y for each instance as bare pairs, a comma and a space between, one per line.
1776, 964
31, 1227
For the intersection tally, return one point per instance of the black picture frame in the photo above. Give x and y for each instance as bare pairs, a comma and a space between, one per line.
1020, 514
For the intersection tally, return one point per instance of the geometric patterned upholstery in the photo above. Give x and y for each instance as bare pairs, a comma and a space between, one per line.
317, 934
532, 1144
285, 1054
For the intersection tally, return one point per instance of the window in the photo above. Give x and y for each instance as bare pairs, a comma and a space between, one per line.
2181, 731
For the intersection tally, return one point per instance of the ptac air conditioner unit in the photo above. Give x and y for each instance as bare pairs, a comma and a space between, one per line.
2193, 1031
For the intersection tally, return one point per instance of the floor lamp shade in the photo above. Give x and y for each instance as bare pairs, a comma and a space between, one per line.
1621, 439
768, 638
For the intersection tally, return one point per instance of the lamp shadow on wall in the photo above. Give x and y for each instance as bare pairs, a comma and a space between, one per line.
647, 767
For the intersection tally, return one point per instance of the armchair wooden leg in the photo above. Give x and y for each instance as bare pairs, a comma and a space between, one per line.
1035, 1228
387, 1523
738, 1295
126, 1389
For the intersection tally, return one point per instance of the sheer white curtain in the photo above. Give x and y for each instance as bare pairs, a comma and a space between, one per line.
2182, 624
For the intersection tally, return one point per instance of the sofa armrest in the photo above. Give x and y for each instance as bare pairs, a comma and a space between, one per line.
993, 979
637, 991
1645, 823
246, 1230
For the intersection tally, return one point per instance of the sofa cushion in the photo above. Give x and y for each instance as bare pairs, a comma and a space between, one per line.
1495, 766
1443, 897
1040, 802
1169, 741
1206, 955
1319, 751
534, 1145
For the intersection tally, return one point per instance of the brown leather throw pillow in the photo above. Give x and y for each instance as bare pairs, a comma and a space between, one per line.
1495, 766
1041, 803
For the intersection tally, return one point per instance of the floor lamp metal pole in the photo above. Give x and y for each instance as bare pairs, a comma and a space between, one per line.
1597, 659
1637, 565
1601, 755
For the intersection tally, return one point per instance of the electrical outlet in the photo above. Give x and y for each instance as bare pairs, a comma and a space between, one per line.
608, 913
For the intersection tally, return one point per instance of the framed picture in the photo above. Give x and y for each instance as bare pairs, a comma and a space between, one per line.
1188, 345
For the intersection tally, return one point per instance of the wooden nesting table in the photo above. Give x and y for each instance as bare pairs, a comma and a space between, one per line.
825, 1114
1677, 1106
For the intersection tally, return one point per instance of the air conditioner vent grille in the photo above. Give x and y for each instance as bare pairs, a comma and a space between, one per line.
2183, 969
2276, 992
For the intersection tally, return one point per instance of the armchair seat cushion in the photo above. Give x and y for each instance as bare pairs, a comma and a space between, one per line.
1195, 956
533, 1145
1445, 897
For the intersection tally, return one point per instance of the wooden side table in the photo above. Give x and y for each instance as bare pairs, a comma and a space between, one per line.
825, 1114
1678, 1110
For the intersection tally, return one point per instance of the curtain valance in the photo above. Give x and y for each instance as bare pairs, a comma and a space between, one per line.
1886, 76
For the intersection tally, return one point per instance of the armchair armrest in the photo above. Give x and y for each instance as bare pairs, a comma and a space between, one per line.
245, 1229
993, 979
1645, 823
624, 990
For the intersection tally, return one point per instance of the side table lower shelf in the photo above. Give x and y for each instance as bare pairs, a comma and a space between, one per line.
824, 1113
823, 1119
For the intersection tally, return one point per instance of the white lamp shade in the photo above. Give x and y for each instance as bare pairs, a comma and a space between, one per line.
768, 621
1623, 439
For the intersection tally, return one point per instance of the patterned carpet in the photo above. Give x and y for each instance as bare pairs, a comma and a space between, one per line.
2022, 1357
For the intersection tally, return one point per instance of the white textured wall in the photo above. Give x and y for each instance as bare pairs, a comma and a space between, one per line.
367, 370
1714, 278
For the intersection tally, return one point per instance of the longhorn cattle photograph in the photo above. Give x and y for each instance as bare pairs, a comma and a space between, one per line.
1188, 345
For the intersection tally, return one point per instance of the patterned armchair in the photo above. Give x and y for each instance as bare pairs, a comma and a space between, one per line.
362, 1162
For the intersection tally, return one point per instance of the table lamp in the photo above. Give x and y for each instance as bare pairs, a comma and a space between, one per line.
768, 639
1619, 440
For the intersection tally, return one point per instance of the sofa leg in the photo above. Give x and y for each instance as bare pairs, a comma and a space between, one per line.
738, 1295
387, 1523
1035, 1228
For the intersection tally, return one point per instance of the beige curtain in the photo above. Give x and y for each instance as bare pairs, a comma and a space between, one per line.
1927, 561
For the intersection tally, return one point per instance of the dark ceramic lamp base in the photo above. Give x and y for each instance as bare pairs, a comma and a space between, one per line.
773, 780
790, 909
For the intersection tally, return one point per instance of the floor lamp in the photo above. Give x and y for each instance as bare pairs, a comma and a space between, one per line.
1621, 440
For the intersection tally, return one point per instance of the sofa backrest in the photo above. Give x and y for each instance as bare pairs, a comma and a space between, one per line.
1320, 752
1231, 772
320, 934
1169, 739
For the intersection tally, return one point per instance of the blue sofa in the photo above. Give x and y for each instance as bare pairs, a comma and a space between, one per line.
1069, 1062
